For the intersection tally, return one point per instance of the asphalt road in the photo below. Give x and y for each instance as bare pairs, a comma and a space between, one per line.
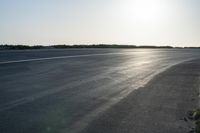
53, 91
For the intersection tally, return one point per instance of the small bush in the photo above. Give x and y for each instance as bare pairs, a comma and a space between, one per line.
197, 128
197, 114
196, 117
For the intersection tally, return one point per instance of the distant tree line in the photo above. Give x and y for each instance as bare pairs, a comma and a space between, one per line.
107, 46
13, 47
192, 47
63, 46
95, 46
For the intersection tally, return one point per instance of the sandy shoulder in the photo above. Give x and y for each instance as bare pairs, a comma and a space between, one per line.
159, 107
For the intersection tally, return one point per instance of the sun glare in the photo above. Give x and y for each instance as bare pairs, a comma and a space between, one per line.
145, 10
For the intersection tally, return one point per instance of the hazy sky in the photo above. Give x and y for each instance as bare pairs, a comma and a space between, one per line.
137, 22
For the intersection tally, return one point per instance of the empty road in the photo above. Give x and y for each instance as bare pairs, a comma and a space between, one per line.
62, 91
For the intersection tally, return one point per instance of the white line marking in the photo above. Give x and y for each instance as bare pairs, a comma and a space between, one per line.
57, 57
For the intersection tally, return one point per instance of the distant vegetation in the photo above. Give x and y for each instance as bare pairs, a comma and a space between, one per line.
106, 46
21, 47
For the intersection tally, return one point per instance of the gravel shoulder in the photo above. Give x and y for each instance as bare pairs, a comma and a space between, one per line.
158, 107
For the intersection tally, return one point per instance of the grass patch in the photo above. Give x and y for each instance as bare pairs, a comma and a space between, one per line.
196, 118
197, 128
197, 114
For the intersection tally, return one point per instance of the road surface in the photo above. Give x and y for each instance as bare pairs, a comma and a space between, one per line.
65, 91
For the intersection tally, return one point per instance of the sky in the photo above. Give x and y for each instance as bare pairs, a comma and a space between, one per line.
133, 22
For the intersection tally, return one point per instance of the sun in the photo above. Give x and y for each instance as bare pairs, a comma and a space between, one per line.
145, 10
